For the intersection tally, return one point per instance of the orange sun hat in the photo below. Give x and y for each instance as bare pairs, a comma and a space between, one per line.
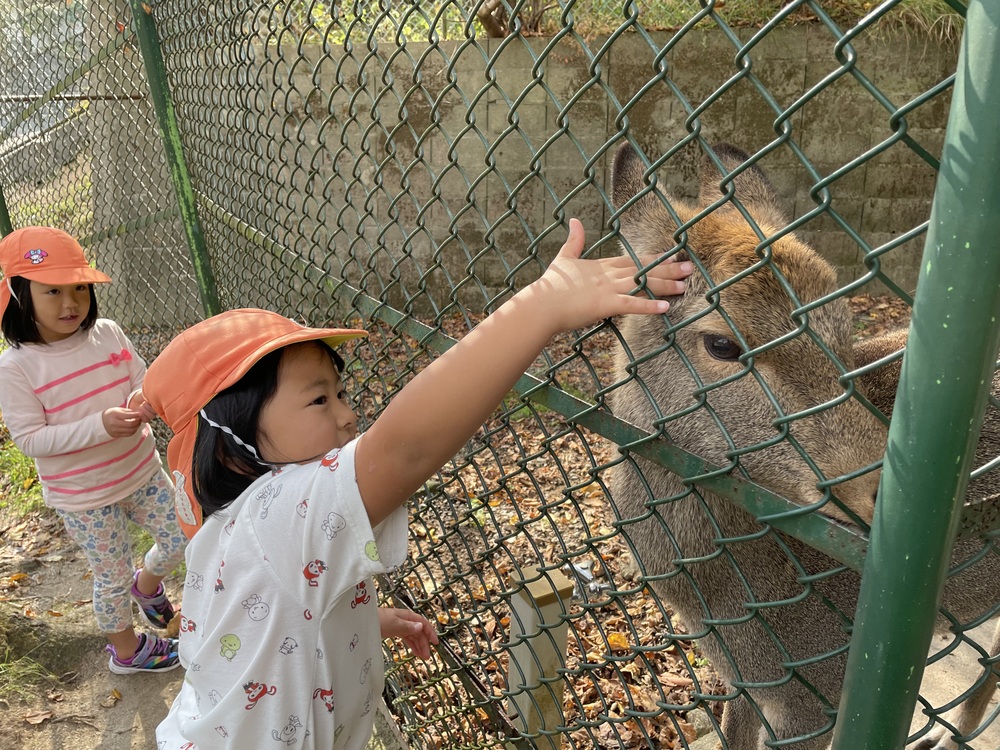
46, 255
203, 361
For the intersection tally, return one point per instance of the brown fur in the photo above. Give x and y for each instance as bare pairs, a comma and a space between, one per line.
711, 561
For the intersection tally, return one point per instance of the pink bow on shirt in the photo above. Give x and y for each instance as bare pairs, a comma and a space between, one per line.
116, 358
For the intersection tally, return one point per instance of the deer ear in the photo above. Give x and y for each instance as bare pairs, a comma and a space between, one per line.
753, 189
646, 223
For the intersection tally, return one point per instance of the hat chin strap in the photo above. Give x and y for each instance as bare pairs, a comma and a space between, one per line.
11, 289
235, 437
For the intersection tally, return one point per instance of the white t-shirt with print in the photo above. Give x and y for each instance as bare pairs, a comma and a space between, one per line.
279, 624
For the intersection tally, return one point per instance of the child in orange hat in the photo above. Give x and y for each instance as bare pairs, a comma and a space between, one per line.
280, 629
70, 397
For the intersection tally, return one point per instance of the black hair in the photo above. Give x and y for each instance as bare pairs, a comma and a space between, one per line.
18, 322
222, 468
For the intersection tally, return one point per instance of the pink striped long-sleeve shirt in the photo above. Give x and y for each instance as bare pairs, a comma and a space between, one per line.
52, 397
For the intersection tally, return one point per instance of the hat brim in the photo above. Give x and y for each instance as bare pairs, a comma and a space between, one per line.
56, 276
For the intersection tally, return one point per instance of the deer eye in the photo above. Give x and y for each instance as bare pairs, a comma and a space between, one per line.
722, 348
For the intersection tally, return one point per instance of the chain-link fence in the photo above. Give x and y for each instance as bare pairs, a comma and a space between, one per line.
657, 542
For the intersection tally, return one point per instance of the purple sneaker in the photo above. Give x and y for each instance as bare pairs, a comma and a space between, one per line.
153, 655
155, 609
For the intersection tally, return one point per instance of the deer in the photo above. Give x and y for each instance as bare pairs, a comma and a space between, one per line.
771, 613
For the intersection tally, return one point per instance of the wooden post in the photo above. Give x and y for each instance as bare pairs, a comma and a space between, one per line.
537, 653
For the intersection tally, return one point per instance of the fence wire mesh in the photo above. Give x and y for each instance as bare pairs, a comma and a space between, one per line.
393, 166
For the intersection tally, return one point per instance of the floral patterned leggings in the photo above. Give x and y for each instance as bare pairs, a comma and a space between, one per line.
103, 535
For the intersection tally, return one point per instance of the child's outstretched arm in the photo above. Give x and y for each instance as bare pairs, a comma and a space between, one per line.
433, 416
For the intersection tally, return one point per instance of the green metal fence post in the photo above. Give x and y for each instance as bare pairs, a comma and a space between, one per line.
159, 90
946, 374
6, 227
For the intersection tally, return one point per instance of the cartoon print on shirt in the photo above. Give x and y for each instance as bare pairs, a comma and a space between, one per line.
371, 551
288, 645
307, 614
313, 570
365, 669
230, 645
218, 579
256, 609
228, 528
361, 596
334, 523
214, 696
287, 734
302, 508
222, 731
187, 626
319, 654
354, 642
331, 460
194, 580
182, 503
368, 704
265, 495
255, 691
326, 696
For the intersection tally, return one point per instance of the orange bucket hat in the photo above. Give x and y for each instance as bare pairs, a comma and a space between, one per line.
204, 360
46, 255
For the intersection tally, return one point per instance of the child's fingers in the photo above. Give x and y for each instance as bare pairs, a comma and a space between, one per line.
665, 287
418, 646
667, 278
431, 633
573, 247
636, 305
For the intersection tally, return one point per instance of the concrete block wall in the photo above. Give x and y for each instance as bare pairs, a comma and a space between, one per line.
428, 174
454, 163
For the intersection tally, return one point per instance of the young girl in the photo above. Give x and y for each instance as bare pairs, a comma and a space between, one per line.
280, 629
70, 395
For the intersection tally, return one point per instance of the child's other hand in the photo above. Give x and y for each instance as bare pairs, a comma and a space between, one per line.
415, 630
139, 404
579, 292
121, 422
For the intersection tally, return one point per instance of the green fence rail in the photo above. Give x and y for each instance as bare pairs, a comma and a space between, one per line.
659, 540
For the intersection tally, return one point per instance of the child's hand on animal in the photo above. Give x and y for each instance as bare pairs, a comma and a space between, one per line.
579, 292
415, 630
121, 422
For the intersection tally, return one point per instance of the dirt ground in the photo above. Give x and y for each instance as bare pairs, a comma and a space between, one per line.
45, 589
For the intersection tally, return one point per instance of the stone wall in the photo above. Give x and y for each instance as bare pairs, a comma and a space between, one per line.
462, 156
416, 171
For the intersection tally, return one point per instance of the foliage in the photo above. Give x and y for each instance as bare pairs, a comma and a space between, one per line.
20, 676
333, 24
20, 493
